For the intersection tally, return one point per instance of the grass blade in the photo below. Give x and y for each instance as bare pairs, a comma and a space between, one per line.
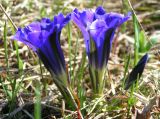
6, 46
136, 39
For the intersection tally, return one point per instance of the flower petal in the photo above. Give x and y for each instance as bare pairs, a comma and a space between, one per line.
100, 10
77, 19
22, 36
97, 30
115, 19
60, 21
107, 46
34, 26
46, 24
102, 37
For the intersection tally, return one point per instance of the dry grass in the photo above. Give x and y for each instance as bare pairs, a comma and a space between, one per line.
115, 102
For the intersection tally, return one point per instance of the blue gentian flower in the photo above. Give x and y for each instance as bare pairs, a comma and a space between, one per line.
44, 38
98, 27
98, 30
136, 72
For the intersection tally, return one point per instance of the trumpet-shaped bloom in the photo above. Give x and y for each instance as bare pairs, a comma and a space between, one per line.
98, 30
43, 38
136, 72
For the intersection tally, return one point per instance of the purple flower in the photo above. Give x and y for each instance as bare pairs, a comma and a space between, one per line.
98, 30
136, 72
44, 38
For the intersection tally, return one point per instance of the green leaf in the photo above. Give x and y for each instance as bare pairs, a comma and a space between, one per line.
142, 42
136, 39
152, 42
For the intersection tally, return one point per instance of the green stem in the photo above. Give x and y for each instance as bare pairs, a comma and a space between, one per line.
97, 80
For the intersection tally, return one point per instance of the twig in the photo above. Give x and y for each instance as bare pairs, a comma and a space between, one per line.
8, 16
140, 97
56, 108
14, 112
25, 111
89, 104
75, 103
150, 105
